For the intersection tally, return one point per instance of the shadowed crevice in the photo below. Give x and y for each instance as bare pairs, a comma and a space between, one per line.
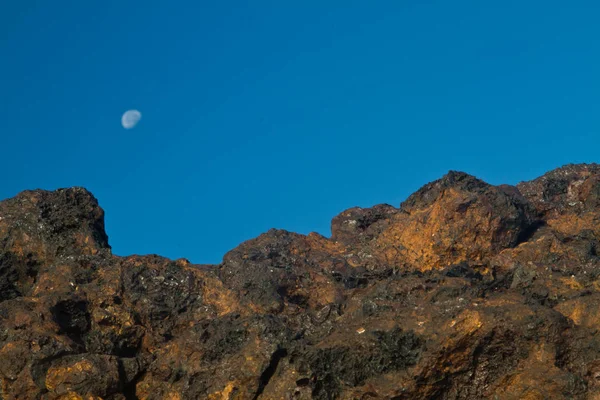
270, 371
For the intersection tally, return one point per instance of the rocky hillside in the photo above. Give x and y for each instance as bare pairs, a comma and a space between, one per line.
466, 291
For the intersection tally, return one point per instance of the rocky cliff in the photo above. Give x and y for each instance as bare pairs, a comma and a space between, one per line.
465, 291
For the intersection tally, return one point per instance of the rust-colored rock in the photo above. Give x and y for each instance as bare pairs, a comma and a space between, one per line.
465, 291
455, 219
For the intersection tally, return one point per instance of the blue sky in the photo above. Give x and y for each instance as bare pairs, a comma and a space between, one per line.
261, 114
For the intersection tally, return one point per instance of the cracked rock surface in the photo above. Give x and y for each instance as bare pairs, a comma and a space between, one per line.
465, 291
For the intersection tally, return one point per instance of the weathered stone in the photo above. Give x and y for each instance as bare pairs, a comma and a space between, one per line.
467, 291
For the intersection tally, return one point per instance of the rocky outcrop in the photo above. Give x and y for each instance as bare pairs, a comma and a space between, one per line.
464, 291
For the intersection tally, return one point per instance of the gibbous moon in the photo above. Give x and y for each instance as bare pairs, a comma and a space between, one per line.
130, 119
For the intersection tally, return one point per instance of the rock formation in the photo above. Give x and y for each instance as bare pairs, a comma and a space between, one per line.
466, 291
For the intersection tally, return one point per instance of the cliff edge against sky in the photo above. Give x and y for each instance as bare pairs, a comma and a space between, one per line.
466, 291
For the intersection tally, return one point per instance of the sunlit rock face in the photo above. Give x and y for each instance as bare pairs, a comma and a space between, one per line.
464, 291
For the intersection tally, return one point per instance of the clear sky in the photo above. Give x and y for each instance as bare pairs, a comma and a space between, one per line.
261, 114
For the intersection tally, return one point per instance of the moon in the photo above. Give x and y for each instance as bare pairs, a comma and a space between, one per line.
130, 119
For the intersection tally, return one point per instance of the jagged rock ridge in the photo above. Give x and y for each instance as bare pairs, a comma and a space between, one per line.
466, 291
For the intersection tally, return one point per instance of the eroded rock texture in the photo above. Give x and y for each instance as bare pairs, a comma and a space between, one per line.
466, 291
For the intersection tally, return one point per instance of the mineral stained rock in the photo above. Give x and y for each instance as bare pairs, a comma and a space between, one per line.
465, 291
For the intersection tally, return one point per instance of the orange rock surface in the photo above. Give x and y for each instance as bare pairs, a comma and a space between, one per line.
464, 291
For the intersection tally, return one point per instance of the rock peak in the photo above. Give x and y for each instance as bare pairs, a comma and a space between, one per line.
467, 291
